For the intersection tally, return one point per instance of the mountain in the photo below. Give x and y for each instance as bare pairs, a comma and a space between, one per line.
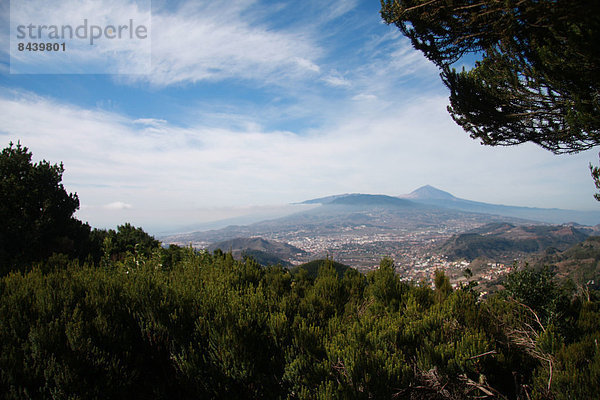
325, 200
359, 229
265, 252
431, 196
367, 215
354, 229
506, 242
428, 192
436, 197
362, 200
265, 259
580, 262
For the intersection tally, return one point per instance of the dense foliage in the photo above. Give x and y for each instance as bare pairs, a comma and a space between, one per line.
208, 326
36, 211
312, 267
538, 78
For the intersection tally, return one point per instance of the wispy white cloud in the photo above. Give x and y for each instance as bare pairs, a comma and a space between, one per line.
206, 41
155, 122
336, 9
117, 205
390, 150
197, 41
94, 43
364, 97
336, 79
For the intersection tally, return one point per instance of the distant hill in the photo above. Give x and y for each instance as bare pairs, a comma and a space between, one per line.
325, 200
345, 224
357, 199
436, 197
506, 242
580, 262
265, 259
370, 200
361, 228
312, 267
266, 252
428, 192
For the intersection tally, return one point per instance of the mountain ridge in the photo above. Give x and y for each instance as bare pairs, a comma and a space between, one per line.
359, 199
435, 197
506, 242
428, 192
359, 228
428, 195
263, 250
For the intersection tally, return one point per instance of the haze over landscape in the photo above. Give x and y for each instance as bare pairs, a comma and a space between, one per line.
422, 231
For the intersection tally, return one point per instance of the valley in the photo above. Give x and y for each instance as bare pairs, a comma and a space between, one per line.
421, 232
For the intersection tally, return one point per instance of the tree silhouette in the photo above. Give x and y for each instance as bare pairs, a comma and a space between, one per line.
538, 79
36, 211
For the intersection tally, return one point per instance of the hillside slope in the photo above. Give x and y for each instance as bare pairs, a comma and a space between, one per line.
266, 252
581, 262
439, 198
506, 242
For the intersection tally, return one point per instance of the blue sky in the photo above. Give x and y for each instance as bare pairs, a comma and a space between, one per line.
253, 105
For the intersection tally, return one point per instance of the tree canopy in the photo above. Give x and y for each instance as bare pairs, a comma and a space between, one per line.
538, 78
36, 211
208, 326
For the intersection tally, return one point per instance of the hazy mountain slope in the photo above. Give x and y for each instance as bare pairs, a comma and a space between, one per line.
580, 262
383, 212
258, 248
327, 199
435, 197
357, 199
363, 217
506, 242
429, 192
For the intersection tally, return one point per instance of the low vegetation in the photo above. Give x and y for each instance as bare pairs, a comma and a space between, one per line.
209, 326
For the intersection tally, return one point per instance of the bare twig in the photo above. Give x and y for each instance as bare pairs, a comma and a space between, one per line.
483, 354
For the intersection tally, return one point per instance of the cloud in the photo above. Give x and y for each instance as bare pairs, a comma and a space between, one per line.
151, 125
364, 97
390, 150
336, 79
338, 8
92, 32
117, 205
155, 122
195, 41
207, 41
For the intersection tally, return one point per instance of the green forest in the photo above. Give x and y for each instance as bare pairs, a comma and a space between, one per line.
88, 313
